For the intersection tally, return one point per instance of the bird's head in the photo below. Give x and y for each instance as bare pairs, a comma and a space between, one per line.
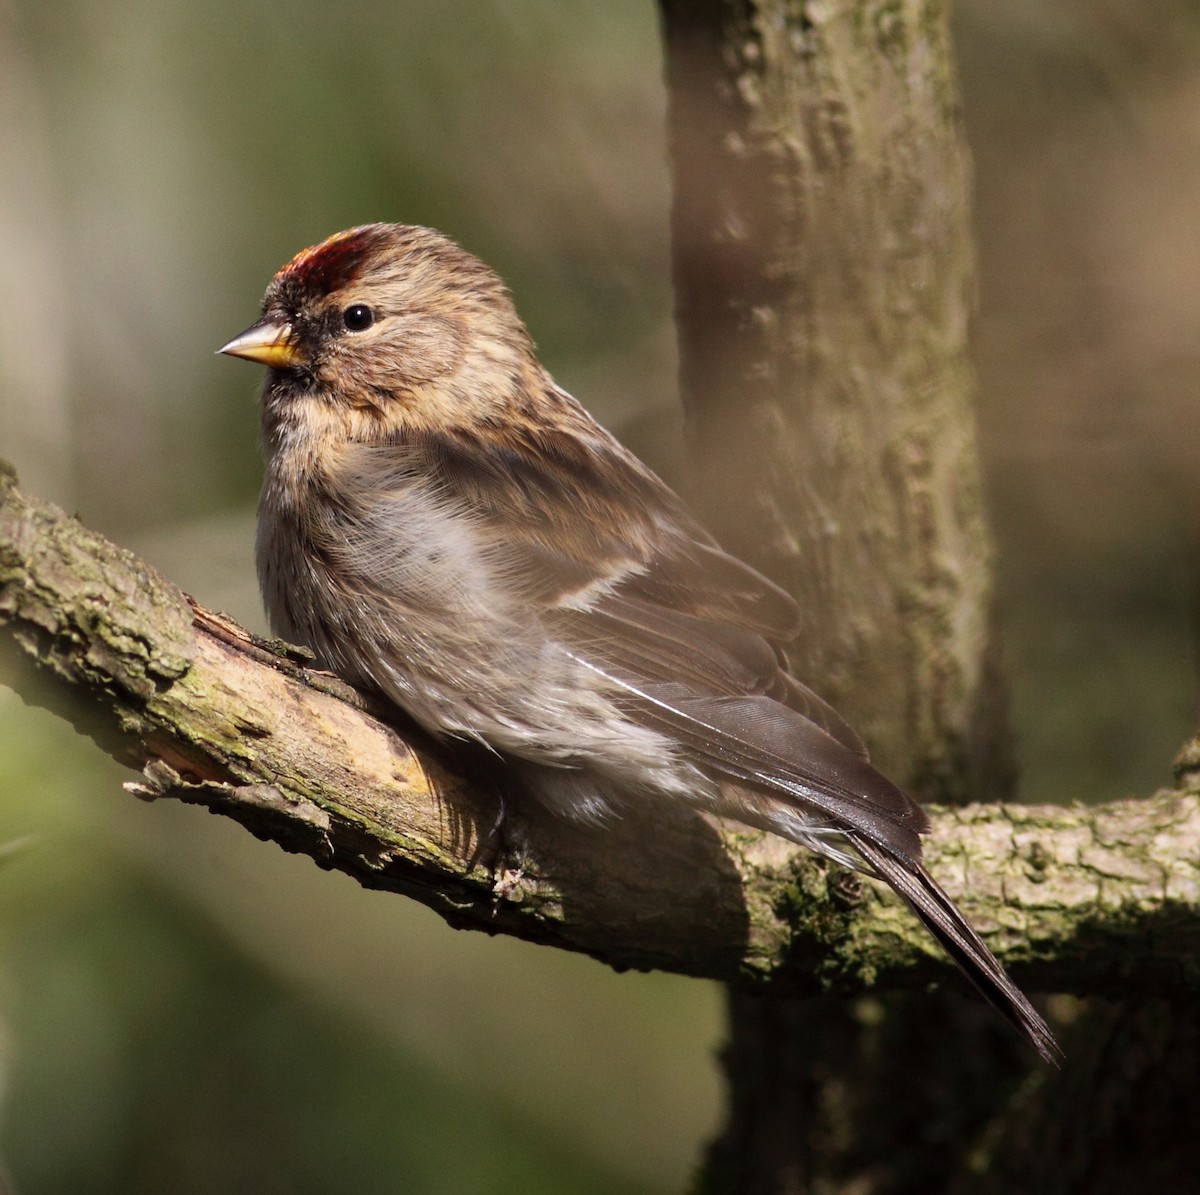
393, 321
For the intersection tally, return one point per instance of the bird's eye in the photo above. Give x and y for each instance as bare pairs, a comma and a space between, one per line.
358, 317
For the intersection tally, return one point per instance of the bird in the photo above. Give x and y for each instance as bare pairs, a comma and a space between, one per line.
445, 527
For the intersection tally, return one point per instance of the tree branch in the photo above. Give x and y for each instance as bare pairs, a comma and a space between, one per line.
1079, 899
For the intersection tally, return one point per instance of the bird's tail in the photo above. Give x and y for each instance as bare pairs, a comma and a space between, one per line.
941, 917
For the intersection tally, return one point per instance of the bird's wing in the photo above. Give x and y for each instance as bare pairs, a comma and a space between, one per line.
717, 691
575, 522
621, 577
692, 639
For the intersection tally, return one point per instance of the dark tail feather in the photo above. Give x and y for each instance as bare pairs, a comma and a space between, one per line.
943, 920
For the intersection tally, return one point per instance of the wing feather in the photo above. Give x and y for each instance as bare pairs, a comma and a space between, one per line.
651, 596
951, 931
626, 583
757, 741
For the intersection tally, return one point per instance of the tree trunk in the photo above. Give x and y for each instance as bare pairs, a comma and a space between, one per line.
824, 280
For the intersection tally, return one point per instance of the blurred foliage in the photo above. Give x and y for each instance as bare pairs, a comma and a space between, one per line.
186, 1009
1082, 123
155, 1056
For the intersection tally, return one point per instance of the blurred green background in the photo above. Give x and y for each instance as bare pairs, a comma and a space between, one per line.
185, 1009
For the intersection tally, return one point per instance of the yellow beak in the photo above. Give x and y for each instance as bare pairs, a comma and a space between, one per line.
266, 342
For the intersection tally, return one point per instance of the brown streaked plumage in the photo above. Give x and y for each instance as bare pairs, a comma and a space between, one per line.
443, 525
